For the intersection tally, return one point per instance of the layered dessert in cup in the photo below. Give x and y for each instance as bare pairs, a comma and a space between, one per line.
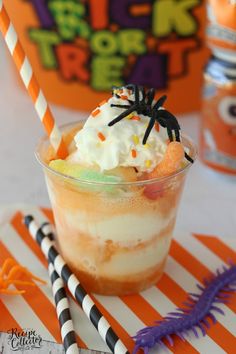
115, 197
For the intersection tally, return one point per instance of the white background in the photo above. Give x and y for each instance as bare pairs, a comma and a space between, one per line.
209, 200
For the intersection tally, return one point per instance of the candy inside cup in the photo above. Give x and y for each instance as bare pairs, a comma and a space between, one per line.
115, 236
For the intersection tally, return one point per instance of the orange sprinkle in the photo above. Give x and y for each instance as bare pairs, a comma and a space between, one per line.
123, 97
135, 118
157, 127
134, 153
96, 112
101, 136
102, 103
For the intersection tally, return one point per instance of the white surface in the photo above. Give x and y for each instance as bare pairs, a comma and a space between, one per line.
209, 201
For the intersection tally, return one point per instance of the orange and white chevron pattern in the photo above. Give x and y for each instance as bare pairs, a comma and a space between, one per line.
30, 82
192, 257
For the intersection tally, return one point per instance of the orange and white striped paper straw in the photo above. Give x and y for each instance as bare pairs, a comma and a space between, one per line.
25, 70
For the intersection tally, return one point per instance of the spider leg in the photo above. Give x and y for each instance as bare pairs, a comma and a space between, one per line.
131, 102
148, 130
18, 270
188, 157
12, 292
9, 262
120, 106
136, 95
15, 272
167, 115
150, 96
169, 132
134, 89
143, 94
32, 276
129, 86
165, 124
177, 135
115, 88
170, 122
20, 282
122, 115
160, 102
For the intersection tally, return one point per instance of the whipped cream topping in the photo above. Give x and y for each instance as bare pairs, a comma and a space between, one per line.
121, 144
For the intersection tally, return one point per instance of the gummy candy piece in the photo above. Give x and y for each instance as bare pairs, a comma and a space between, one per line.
127, 174
78, 171
171, 161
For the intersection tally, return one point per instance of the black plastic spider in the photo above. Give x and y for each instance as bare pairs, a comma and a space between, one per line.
144, 105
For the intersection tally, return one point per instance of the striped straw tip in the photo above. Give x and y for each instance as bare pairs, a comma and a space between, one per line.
28, 219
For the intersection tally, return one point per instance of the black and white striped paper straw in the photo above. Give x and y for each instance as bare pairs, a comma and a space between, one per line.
63, 312
75, 288
48, 230
61, 301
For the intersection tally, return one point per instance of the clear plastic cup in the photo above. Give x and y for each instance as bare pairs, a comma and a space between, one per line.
114, 236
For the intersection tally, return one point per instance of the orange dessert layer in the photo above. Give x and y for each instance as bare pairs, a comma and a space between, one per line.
115, 238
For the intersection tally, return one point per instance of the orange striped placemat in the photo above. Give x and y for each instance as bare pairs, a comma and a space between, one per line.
192, 257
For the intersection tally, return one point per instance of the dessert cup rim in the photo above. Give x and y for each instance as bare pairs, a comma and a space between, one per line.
182, 170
